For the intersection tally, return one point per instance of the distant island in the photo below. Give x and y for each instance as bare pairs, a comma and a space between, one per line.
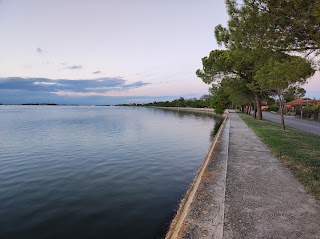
39, 104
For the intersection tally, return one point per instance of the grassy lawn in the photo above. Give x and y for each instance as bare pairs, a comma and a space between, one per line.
298, 150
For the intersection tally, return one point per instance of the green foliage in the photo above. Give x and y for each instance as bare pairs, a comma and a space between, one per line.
293, 92
259, 37
232, 64
316, 111
203, 102
279, 74
237, 90
220, 99
272, 24
235, 69
309, 112
215, 66
274, 108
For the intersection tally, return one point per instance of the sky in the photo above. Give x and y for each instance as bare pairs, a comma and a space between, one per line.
107, 51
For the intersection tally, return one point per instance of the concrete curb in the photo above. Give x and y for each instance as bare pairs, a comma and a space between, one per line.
217, 159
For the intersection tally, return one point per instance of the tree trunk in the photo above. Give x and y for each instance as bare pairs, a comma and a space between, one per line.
255, 111
281, 112
258, 105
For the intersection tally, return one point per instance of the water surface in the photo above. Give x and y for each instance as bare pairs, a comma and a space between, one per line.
95, 172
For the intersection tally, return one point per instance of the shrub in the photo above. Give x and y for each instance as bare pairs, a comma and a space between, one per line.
274, 108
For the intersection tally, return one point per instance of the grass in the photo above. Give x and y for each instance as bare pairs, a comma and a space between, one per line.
298, 150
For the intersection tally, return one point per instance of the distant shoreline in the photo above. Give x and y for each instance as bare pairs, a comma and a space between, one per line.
209, 111
189, 109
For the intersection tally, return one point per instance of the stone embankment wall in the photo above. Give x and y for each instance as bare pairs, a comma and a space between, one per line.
201, 211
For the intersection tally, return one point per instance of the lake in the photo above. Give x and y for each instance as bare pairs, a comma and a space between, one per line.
96, 172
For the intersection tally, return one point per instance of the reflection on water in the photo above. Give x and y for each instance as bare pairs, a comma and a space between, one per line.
217, 119
96, 172
216, 127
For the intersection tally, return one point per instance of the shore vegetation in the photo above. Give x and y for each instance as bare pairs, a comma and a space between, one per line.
202, 102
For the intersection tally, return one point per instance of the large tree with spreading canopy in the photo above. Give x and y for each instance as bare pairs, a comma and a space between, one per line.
258, 33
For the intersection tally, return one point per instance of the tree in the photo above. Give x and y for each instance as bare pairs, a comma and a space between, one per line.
277, 75
293, 93
220, 99
261, 34
280, 25
270, 27
235, 63
239, 93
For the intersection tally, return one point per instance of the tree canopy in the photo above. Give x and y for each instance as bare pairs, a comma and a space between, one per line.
278, 75
262, 39
235, 64
279, 25
293, 92
202, 102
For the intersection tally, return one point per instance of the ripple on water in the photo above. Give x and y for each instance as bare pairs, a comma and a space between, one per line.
98, 172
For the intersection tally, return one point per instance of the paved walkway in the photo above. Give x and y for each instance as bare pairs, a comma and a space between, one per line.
246, 193
263, 198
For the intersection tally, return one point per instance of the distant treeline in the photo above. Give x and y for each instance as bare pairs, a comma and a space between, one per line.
203, 102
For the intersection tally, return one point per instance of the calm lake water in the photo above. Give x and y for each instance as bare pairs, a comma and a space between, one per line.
96, 172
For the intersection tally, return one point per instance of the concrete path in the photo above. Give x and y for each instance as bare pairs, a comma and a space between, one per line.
263, 198
244, 192
291, 121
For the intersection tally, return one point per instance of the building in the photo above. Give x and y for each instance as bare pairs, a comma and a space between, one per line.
299, 103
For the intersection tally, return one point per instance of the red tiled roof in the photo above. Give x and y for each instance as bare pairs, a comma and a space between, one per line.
298, 101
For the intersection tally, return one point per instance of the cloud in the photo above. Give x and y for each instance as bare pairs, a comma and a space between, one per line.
75, 67
96, 72
98, 85
21, 96
39, 50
